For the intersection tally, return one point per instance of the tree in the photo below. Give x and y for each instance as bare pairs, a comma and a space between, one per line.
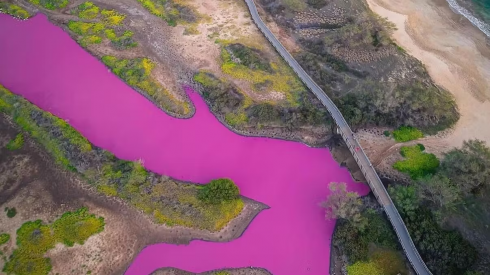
217, 191
438, 190
344, 205
468, 167
405, 198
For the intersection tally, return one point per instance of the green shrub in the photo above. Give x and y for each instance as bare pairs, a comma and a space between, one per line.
14, 10
88, 10
218, 191
16, 143
416, 163
364, 268
407, 133
77, 227
386, 133
50, 4
4, 238
11, 212
34, 239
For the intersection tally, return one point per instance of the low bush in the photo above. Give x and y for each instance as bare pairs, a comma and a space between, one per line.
218, 191
16, 143
34, 239
88, 10
11, 212
355, 243
112, 18
50, 4
407, 133
14, 10
417, 163
4, 238
77, 227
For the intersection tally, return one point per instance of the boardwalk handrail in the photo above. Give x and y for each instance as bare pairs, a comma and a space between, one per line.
361, 158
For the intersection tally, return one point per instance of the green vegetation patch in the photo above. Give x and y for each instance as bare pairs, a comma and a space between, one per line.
219, 191
137, 73
168, 201
87, 10
50, 4
16, 143
38, 124
4, 238
417, 163
407, 133
171, 11
240, 110
34, 239
11, 212
107, 26
241, 62
444, 251
14, 10
112, 17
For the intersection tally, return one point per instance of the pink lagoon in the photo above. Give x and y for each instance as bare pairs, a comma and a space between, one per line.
42, 63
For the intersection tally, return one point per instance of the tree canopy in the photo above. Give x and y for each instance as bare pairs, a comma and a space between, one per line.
341, 204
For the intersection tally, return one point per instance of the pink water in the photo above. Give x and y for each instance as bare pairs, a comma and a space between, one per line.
42, 63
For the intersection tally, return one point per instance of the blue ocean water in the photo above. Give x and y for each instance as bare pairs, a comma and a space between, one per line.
476, 11
482, 9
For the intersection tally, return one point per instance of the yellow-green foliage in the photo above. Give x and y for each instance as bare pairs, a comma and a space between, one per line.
236, 119
154, 7
34, 239
112, 17
87, 10
111, 35
77, 227
4, 238
221, 273
364, 268
282, 79
417, 163
389, 261
83, 28
167, 10
137, 73
22, 116
14, 10
16, 143
50, 4
407, 133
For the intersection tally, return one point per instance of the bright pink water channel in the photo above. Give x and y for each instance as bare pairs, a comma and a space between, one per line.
42, 63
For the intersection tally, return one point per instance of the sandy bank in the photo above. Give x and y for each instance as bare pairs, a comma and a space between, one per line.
455, 53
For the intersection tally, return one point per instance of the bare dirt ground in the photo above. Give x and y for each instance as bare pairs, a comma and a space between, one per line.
456, 55
39, 190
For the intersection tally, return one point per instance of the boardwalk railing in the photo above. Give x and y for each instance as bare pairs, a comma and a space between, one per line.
355, 148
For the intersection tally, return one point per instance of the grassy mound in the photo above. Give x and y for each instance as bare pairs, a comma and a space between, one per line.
417, 163
407, 133
34, 239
